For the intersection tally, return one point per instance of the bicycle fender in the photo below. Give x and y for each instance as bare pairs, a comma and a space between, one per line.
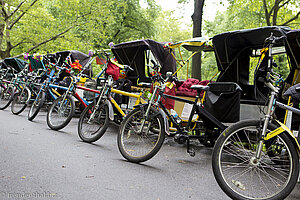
283, 128
164, 116
110, 110
29, 95
166, 122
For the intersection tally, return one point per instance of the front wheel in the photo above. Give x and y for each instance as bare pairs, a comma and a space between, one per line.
93, 122
36, 105
61, 112
19, 101
138, 144
242, 176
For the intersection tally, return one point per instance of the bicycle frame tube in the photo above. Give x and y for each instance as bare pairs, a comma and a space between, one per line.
116, 105
148, 108
104, 90
88, 89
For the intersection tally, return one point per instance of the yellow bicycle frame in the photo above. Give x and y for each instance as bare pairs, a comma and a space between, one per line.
128, 94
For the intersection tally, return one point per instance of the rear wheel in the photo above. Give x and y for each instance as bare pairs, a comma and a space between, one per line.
60, 112
6, 93
138, 146
242, 176
36, 105
92, 128
19, 101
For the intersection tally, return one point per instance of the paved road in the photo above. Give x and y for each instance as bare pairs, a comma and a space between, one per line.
38, 163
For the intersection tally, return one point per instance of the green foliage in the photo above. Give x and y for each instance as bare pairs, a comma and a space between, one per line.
92, 23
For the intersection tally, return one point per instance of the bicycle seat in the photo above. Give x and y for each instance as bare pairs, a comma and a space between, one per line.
200, 87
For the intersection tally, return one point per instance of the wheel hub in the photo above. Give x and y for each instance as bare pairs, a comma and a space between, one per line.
254, 161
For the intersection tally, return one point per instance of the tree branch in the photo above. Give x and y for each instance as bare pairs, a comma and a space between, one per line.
17, 8
288, 1
50, 39
275, 11
292, 19
267, 13
4, 13
22, 42
24, 12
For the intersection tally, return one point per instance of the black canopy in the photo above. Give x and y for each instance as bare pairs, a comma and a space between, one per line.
293, 48
76, 55
15, 63
233, 50
134, 54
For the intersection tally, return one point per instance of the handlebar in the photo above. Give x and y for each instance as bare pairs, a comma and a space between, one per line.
275, 40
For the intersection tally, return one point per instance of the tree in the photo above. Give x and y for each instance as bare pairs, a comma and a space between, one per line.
197, 32
10, 16
266, 12
53, 25
29, 24
274, 10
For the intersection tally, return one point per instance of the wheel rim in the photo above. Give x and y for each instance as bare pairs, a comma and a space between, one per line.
60, 112
139, 144
91, 126
19, 102
245, 175
35, 105
5, 95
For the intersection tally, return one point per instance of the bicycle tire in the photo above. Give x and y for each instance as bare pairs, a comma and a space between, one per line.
129, 140
6, 93
237, 144
19, 101
91, 131
36, 105
58, 120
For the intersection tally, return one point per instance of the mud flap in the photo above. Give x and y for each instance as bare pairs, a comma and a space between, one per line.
166, 122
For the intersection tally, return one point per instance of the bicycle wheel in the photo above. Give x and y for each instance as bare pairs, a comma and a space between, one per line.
91, 129
241, 176
19, 101
138, 146
6, 93
60, 112
36, 105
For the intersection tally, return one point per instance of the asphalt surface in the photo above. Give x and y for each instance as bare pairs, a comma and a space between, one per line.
38, 163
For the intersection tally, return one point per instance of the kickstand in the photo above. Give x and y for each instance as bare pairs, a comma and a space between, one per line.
191, 151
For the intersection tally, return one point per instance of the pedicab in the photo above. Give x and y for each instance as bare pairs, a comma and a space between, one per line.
143, 130
222, 101
264, 143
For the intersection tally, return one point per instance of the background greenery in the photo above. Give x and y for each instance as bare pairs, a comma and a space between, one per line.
56, 25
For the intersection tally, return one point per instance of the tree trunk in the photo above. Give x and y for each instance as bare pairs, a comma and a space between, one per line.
197, 27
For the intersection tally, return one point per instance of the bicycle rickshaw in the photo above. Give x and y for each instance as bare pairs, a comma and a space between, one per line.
116, 100
207, 127
258, 158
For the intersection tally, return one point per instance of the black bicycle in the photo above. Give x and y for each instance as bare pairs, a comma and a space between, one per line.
143, 130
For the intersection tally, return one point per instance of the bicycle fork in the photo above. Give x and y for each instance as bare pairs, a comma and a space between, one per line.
270, 110
146, 116
97, 104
